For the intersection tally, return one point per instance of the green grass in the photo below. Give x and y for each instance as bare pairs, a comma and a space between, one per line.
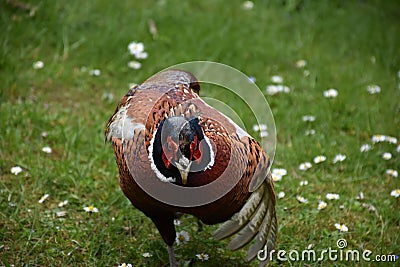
348, 45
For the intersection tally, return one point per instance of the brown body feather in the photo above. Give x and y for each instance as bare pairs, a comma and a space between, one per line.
131, 129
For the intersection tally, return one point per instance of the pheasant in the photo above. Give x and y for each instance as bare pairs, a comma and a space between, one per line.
176, 154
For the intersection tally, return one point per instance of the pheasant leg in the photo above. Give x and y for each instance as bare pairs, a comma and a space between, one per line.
172, 260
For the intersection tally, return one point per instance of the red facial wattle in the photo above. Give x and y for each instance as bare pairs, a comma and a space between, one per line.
196, 151
166, 161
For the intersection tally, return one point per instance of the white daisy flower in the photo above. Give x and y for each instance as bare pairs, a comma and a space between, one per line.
279, 171
125, 265
310, 132
276, 79
319, 159
63, 203
147, 255
177, 222
134, 64
263, 127
392, 172
276, 177
365, 148
272, 89
360, 196
16, 170
141, 55
182, 237
395, 193
332, 196
308, 118
264, 134
377, 138
275, 89
44, 134
202, 256
135, 48
341, 227
301, 63
281, 194
260, 127
391, 139
38, 65
386, 156
247, 5
339, 158
91, 209
331, 93
373, 89
303, 183
305, 166
284, 88
43, 198
321, 205
95, 72
301, 199
47, 149
277, 174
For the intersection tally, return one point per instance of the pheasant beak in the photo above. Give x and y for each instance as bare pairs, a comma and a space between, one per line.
184, 169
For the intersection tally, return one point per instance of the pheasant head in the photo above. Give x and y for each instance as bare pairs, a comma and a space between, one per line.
179, 147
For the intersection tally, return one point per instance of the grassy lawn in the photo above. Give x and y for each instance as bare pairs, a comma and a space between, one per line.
347, 45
